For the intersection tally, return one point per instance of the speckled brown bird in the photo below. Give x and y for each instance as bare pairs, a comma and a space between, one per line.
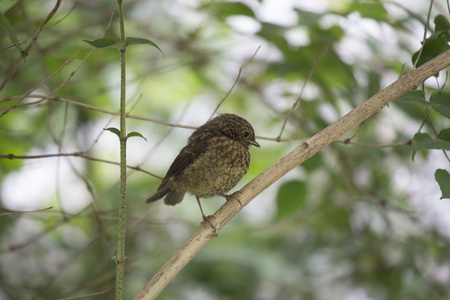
214, 160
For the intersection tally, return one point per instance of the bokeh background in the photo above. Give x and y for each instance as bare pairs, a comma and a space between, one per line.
357, 221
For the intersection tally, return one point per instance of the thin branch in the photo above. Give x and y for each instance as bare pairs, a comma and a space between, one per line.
427, 25
235, 82
430, 123
13, 45
75, 154
360, 127
12, 213
160, 122
89, 295
347, 142
32, 43
39, 85
306, 150
275, 139
87, 106
34, 238
84, 59
445, 82
422, 125
308, 78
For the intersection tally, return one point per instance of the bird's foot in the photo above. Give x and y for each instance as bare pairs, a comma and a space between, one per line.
233, 197
207, 220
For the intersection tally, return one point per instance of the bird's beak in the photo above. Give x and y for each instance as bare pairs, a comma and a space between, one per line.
254, 143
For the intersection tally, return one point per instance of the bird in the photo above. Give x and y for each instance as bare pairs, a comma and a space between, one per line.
214, 160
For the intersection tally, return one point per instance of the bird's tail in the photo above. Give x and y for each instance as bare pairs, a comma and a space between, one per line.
173, 196
158, 195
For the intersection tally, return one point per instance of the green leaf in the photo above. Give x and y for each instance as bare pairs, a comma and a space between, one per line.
441, 23
412, 103
291, 197
113, 130
139, 41
103, 42
424, 141
4, 23
313, 163
444, 135
234, 9
370, 10
412, 97
433, 46
422, 137
308, 18
134, 133
443, 102
443, 179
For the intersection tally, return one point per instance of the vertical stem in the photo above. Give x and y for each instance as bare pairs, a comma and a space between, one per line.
120, 259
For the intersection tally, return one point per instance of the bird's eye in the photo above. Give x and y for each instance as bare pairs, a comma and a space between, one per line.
246, 133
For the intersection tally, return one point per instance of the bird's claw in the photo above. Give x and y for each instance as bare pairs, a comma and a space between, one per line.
233, 197
207, 220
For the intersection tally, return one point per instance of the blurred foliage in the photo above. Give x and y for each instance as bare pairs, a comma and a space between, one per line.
358, 220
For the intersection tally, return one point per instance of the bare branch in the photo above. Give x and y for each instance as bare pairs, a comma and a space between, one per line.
32, 43
427, 25
314, 66
87, 106
11, 213
235, 82
348, 142
39, 85
74, 154
89, 295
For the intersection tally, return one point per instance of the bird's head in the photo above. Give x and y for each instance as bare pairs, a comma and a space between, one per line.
236, 128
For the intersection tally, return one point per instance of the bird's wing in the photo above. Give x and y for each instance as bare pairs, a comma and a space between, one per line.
186, 156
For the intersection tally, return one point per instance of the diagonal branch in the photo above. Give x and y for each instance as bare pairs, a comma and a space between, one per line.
307, 149
235, 82
32, 43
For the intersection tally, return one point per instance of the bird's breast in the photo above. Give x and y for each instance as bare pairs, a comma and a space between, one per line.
217, 170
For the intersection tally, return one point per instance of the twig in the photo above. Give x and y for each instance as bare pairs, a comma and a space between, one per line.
445, 82
430, 123
33, 41
348, 142
11, 213
39, 85
314, 66
87, 106
13, 45
35, 238
235, 82
75, 154
84, 59
307, 149
427, 25
88, 295
360, 127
